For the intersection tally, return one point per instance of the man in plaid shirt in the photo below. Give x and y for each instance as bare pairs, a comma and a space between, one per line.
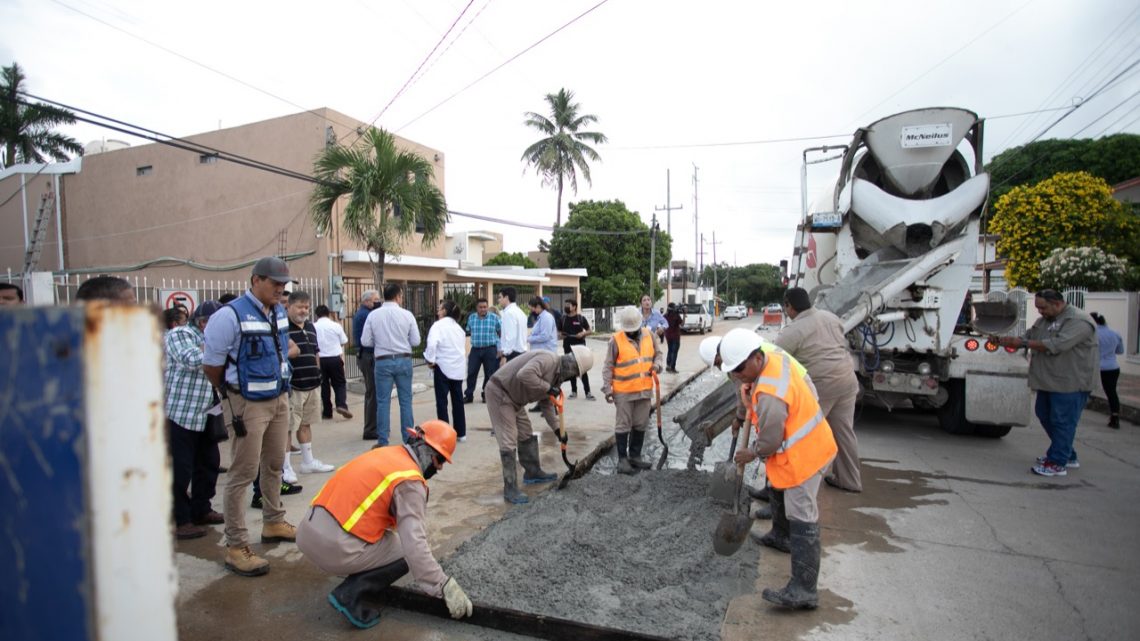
193, 454
484, 328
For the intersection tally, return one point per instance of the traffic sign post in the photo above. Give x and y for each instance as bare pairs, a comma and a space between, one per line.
188, 298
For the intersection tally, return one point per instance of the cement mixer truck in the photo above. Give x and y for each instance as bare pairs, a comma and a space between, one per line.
891, 248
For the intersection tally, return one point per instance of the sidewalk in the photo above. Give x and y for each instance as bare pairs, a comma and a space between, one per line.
1128, 388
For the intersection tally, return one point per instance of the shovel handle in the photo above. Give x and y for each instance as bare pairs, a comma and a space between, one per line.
747, 429
657, 391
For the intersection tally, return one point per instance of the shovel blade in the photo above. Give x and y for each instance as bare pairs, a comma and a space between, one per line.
723, 487
730, 533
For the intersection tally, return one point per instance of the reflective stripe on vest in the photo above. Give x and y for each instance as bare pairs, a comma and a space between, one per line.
633, 364
807, 444
375, 494
359, 495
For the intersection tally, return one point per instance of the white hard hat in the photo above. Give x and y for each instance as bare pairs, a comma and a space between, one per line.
708, 349
737, 346
289, 287
629, 319
583, 356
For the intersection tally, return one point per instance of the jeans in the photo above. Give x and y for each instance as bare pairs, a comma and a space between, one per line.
1059, 413
1108, 378
445, 387
194, 460
574, 379
486, 358
367, 365
332, 376
671, 355
398, 372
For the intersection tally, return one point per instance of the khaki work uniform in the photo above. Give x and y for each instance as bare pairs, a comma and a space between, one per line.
524, 379
632, 408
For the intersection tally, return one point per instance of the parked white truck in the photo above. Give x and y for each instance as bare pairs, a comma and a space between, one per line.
891, 249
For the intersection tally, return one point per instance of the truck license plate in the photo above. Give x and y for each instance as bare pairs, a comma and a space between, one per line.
827, 219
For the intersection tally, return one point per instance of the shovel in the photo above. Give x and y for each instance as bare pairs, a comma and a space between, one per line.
733, 526
565, 480
664, 446
722, 489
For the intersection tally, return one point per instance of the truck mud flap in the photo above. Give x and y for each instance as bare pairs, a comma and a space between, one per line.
998, 399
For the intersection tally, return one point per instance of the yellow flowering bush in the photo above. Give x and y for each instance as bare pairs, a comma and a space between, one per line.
1071, 209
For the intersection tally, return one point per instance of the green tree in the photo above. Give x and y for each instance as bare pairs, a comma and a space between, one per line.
26, 129
1114, 158
512, 258
757, 284
618, 265
390, 193
1068, 210
562, 153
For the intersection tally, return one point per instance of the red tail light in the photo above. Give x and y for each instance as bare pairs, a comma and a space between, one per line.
991, 346
1011, 350
972, 344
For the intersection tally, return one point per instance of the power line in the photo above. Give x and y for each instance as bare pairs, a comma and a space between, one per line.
1100, 117
1113, 123
561, 230
503, 64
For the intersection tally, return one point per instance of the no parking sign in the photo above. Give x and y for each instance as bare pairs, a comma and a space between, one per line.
188, 298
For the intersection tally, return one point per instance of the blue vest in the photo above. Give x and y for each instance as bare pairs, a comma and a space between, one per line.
263, 370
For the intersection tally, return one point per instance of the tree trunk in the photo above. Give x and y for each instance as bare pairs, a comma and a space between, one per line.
558, 217
377, 267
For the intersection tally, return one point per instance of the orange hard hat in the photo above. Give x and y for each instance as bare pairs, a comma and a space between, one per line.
440, 436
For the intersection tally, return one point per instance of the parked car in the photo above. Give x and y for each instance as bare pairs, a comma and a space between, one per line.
697, 318
735, 312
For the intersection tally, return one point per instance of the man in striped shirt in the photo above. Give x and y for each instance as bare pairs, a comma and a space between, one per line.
484, 329
304, 400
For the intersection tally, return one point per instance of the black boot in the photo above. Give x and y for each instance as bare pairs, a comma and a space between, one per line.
621, 442
760, 494
800, 592
532, 467
511, 493
1114, 421
350, 597
636, 440
777, 538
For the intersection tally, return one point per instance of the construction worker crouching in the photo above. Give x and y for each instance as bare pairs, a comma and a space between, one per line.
632, 360
367, 523
796, 442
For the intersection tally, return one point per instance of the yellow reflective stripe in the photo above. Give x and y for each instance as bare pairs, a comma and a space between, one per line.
375, 494
801, 433
631, 377
636, 361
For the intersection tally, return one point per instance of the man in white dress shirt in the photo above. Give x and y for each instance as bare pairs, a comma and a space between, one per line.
331, 340
514, 325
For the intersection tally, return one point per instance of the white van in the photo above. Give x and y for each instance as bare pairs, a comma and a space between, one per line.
697, 318
735, 312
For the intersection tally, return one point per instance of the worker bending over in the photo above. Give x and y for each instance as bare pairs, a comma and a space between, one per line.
534, 376
795, 440
367, 523
627, 381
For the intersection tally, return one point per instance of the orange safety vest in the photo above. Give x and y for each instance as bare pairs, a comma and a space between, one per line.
808, 443
633, 364
359, 495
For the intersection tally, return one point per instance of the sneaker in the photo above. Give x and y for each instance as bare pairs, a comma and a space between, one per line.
467, 400
1049, 469
256, 502
573, 394
288, 476
290, 488
210, 518
277, 532
316, 467
343, 411
462, 439
326, 417
1072, 465
189, 531
241, 560
590, 397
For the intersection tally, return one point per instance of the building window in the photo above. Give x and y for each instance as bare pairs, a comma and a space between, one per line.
145, 170
208, 159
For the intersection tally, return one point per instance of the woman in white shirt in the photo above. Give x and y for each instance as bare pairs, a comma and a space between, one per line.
446, 354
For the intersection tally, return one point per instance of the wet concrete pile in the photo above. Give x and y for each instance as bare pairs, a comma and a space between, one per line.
631, 553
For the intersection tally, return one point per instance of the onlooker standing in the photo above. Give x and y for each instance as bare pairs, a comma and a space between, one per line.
446, 343
193, 454
306, 380
331, 340
627, 381
366, 361
514, 325
1063, 371
110, 288
673, 336
575, 329
652, 319
543, 336
484, 329
256, 386
1110, 345
391, 332
11, 294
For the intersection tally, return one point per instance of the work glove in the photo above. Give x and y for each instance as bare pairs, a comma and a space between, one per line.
554, 392
610, 398
657, 368
457, 602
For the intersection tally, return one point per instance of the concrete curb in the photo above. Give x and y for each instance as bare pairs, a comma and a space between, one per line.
1128, 412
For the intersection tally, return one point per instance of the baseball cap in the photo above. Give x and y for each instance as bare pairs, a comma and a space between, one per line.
272, 268
206, 309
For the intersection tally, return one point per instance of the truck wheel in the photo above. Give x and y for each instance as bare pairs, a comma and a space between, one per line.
992, 431
952, 415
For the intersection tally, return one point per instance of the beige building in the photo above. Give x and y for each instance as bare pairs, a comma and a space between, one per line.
167, 214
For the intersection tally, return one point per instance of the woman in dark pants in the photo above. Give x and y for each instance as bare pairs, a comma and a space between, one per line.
446, 354
1110, 345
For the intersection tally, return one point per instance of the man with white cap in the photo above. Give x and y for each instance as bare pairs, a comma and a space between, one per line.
796, 442
632, 360
533, 376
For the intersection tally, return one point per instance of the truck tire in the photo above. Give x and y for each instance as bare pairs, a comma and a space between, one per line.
952, 414
992, 431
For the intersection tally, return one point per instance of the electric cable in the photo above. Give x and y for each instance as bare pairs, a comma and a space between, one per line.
1100, 117
1113, 123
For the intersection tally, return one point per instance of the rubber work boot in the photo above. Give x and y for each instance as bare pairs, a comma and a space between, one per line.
760, 494
532, 467
636, 440
1114, 421
277, 532
761, 513
621, 441
351, 597
800, 592
241, 560
511, 493
777, 538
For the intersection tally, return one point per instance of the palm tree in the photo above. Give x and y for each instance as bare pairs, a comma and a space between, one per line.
26, 130
390, 193
563, 152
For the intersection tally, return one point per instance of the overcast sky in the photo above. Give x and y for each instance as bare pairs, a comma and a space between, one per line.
673, 84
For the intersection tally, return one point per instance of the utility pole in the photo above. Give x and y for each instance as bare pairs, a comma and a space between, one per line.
652, 254
716, 272
696, 229
668, 209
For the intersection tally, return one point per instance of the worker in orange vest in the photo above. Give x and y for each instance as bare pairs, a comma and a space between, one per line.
367, 523
627, 381
796, 442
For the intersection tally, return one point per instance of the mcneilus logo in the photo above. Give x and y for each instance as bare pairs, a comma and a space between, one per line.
938, 135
